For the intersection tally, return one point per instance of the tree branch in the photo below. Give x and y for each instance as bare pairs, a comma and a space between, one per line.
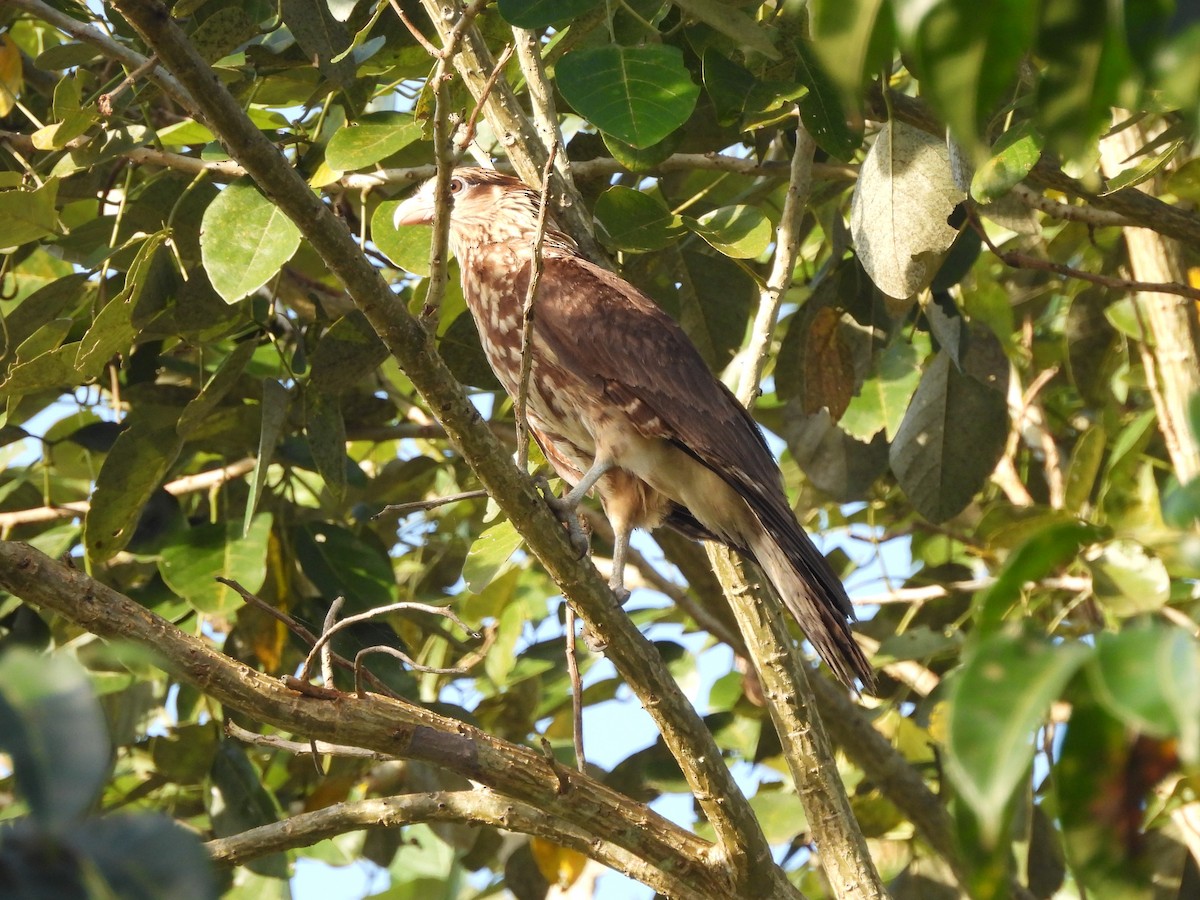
392, 727
479, 806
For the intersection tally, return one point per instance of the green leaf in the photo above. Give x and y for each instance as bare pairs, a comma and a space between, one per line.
407, 246
995, 704
28, 215
113, 331
1149, 678
1086, 458
643, 160
244, 240
240, 801
949, 441
1084, 65
966, 55
132, 470
326, 431
191, 563
1127, 580
321, 37
53, 369
510, 624
728, 85
346, 353
637, 94
1042, 553
535, 14
883, 399
218, 387
489, 554
373, 137
1013, 157
1141, 171
732, 22
55, 732
340, 563
635, 221
841, 38
821, 108
742, 232
1093, 791
274, 406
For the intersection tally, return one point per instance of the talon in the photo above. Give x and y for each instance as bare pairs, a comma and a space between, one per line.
565, 510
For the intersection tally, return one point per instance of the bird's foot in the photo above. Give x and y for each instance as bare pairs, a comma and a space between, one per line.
567, 514
621, 592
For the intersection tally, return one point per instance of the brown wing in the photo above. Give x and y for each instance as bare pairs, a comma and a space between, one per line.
638, 356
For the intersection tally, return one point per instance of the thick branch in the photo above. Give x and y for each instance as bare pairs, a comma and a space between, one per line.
477, 807
775, 656
413, 346
376, 723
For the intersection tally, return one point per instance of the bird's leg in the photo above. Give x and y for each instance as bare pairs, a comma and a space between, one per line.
621, 531
564, 507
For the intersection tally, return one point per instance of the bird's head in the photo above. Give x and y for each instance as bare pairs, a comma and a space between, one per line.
486, 207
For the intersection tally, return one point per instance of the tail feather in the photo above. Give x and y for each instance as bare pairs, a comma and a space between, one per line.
815, 596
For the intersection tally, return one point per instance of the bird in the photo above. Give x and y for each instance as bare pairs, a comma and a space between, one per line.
621, 401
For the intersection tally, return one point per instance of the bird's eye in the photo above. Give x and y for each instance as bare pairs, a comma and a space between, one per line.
456, 185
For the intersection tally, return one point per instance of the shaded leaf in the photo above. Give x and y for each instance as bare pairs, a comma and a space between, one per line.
534, 14
742, 232
732, 22
1014, 155
1149, 678
274, 407
949, 441
637, 94
28, 215
55, 732
828, 366
1127, 580
133, 469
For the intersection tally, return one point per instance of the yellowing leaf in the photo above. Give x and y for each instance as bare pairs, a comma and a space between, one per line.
11, 80
558, 865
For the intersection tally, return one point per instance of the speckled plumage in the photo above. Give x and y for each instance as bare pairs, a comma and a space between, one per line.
615, 382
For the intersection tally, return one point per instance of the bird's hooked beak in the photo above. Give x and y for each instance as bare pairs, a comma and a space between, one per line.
416, 210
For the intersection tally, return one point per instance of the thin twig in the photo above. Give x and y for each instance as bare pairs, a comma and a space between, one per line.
432, 503
576, 688
104, 101
535, 275
1024, 261
327, 626
300, 748
468, 133
302, 632
753, 358
330, 631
